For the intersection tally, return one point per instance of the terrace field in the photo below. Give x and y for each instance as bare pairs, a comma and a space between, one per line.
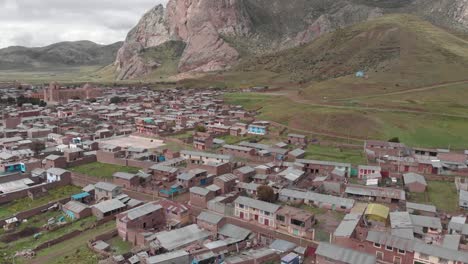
27, 203
439, 193
102, 170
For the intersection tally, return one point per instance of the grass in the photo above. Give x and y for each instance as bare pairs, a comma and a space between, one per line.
413, 129
329, 153
185, 135
314, 210
81, 255
30, 242
232, 140
26, 202
119, 246
102, 170
67, 251
441, 194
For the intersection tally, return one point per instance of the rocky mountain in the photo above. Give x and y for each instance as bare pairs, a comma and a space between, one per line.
215, 34
78, 53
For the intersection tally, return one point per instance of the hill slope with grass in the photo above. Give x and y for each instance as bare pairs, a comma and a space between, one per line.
402, 48
69, 54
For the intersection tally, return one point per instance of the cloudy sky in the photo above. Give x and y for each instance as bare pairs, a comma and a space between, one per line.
35, 23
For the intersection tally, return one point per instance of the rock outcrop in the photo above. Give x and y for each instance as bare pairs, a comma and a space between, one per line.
217, 33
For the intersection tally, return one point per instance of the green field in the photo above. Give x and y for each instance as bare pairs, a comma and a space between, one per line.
414, 129
29, 242
442, 194
102, 170
118, 246
26, 203
328, 153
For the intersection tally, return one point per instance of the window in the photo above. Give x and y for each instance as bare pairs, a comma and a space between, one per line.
443, 261
379, 255
424, 256
389, 248
266, 213
280, 218
377, 245
241, 206
397, 260
401, 251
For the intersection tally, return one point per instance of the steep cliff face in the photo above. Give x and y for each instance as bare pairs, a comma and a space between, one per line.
217, 33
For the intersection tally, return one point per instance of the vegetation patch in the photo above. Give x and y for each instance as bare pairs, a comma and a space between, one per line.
102, 170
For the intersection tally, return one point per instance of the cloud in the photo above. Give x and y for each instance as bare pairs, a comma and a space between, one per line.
43, 22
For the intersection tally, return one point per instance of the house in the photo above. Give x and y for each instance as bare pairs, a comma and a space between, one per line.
255, 129
259, 211
177, 214
195, 177
365, 170
202, 141
324, 168
196, 157
260, 255
108, 208
249, 188
296, 154
316, 199
54, 161
415, 182
126, 180
200, 196
376, 194
57, 174
106, 191
296, 139
225, 182
238, 151
148, 216
463, 199
245, 173
173, 257
210, 221
389, 248
330, 254
296, 222
182, 237
164, 173
425, 253
421, 209
76, 210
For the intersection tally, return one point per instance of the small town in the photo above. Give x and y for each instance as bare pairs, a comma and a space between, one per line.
182, 175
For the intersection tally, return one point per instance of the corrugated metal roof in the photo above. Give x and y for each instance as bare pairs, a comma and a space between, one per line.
344, 254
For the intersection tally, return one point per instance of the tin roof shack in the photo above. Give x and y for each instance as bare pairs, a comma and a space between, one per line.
195, 177
376, 194
329, 253
415, 182
421, 209
261, 255
425, 253
163, 173
106, 191
126, 180
179, 238
463, 199
76, 210
149, 216
57, 174
108, 208
296, 222
177, 214
174, 257
316, 199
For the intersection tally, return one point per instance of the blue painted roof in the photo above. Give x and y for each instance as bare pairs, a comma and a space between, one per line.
80, 195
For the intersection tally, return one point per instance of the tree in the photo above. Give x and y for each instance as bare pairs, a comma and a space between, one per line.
37, 147
266, 193
200, 129
115, 100
42, 104
394, 140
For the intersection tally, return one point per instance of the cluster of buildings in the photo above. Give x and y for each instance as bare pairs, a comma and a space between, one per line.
212, 202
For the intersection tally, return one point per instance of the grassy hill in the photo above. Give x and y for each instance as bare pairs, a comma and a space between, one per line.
68, 54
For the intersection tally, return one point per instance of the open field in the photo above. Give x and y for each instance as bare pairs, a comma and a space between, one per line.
29, 242
134, 141
329, 153
73, 250
118, 246
439, 193
102, 170
414, 129
26, 203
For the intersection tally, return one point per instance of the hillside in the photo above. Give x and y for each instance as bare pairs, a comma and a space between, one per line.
394, 50
217, 34
79, 53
